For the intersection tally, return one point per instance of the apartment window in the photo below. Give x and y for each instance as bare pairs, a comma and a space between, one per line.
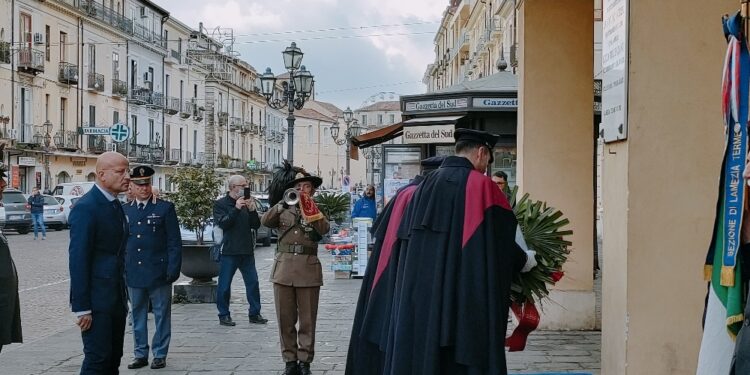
180, 139
195, 91
380, 119
166, 37
232, 149
252, 114
46, 107
182, 87
166, 88
115, 117
364, 120
150, 78
179, 47
310, 135
92, 115
221, 145
25, 28
134, 126
150, 130
252, 154
63, 46
133, 74
115, 65
63, 108
46, 42
327, 135
92, 58
195, 143
393, 118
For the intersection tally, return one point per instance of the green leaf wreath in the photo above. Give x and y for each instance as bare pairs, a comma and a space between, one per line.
542, 228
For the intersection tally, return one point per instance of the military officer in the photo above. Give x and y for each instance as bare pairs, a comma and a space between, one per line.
297, 274
152, 264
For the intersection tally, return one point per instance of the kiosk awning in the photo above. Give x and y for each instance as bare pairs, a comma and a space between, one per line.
373, 138
438, 120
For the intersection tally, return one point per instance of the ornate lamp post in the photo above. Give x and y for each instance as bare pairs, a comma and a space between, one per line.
352, 130
47, 142
296, 90
372, 153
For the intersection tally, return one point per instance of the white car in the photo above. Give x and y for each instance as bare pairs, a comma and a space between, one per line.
67, 202
54, 213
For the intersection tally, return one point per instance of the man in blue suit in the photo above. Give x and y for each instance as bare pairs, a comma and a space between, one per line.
98, 235
152, 263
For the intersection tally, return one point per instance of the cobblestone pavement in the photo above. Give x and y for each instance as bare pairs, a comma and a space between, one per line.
201, 346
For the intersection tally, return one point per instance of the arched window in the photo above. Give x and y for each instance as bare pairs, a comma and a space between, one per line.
63, 177
91, 177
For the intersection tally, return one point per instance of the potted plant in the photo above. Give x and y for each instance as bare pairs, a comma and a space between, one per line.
333, 206
194, 202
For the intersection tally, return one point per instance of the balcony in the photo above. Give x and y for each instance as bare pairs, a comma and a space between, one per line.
496, 27
236, 163
172, 105
96, 81
234, 123
119, 88
186, 110
254, 129
174, 57
157, 101
4, 52
105, 14
29, 134
144, 34
144, 153
30, 60
66, 139
245, 127
68, 73
223, 118
96, 144
197, 113
140, 95
173, 157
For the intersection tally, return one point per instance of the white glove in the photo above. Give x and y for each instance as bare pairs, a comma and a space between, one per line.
530, 261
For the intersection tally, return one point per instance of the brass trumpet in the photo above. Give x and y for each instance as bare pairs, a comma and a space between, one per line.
291, 197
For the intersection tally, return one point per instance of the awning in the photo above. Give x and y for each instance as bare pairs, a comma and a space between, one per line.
438, 120
373, 138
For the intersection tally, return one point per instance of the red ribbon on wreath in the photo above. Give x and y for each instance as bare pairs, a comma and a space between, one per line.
528, 320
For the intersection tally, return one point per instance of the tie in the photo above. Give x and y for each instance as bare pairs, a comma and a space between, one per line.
140, 206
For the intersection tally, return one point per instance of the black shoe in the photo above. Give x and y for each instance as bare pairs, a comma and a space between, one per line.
138, 363
158, 363
227, 321
304, 368
291, 368
257, 319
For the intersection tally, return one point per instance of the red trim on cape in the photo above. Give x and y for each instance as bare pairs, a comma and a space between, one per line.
399, 206
481, 194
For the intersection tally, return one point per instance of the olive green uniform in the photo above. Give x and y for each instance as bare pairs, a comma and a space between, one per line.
296, 276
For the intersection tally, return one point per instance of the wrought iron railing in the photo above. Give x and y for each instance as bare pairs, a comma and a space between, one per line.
96, 81
172, 105
30, 59
119, 88
67, 73
66, 139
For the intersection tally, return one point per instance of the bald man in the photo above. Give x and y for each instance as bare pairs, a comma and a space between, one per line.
98, 236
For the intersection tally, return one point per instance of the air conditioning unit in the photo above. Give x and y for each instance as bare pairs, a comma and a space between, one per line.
144, 14
38, 38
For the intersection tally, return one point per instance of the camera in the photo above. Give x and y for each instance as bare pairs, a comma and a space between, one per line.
247, 192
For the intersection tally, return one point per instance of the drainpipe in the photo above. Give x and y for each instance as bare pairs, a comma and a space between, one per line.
79, 92
12, 72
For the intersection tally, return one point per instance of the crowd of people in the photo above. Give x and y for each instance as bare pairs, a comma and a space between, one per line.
434, 299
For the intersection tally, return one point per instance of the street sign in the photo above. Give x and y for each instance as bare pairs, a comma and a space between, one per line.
345, 184
95, 131
119, 132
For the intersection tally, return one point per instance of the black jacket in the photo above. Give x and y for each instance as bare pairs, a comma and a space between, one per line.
239, 226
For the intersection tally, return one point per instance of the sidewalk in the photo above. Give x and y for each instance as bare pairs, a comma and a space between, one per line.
201, 346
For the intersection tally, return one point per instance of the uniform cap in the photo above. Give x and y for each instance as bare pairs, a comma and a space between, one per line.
141, 175
477, 136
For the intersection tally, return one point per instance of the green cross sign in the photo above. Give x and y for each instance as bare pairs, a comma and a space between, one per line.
119, 132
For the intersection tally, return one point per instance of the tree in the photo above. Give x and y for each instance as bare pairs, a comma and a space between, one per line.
194, 199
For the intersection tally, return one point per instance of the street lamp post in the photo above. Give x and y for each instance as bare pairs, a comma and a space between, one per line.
47, 142
372, 153
352, 130
296, 90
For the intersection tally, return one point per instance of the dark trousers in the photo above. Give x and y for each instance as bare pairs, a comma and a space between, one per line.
102, 343
293, 305
228, 266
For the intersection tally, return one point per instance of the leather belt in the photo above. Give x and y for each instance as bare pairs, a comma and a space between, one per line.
297, 249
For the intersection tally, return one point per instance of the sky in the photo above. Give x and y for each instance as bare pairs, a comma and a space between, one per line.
354, 48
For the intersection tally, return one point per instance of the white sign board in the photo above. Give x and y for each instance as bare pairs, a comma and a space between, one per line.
26, 161
95, 131
615, 71
498, 103
362, 241
429, 134
436, 105
391, 186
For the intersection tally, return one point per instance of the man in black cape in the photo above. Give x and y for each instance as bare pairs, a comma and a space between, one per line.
369, 331
449, 303
10, 305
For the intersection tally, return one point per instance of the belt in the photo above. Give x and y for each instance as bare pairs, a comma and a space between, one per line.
296, 249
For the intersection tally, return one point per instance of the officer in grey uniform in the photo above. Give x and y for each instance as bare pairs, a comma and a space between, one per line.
297, 275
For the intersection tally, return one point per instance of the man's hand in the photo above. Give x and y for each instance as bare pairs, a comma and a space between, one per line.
84, 321
250, 204
240, 203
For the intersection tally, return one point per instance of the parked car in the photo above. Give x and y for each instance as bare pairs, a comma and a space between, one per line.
264, 207
17, 212
67, 201
54, 213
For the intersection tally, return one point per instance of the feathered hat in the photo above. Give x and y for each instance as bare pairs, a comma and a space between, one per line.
285, 177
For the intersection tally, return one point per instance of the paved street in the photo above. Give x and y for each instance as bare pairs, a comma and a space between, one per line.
200, 346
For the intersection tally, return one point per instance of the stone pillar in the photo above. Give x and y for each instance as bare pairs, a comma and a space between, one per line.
556, 139
660, 187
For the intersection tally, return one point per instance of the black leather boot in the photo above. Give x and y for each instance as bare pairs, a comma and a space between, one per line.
304, 368
291, 368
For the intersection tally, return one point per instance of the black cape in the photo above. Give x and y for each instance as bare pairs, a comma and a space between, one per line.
10, 310
452, 284
369, 330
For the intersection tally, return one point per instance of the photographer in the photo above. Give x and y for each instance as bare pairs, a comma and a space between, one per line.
235, 214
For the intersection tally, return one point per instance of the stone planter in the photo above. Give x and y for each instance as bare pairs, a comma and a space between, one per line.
197, 264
